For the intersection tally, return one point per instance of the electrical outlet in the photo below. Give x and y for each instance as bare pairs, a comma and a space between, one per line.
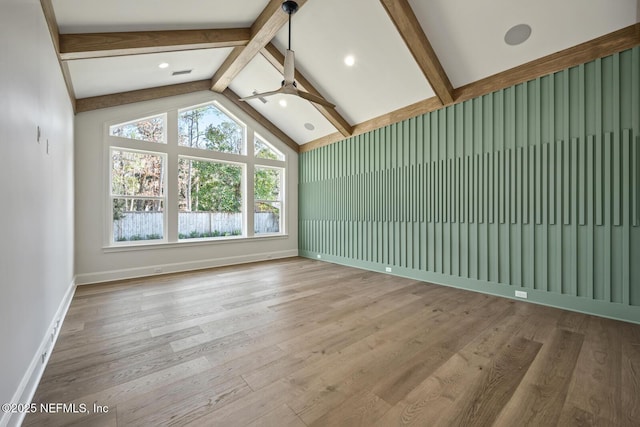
44, 356
521, 294
387, 269
319, 256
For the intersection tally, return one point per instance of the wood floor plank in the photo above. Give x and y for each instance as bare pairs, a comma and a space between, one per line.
438, 394
540, 398
302, 342
630, 390
244, 411
483, 402
595, 392
377, 363
78, 375
181, 402
395, 385
361, 409
112, 396
283, 416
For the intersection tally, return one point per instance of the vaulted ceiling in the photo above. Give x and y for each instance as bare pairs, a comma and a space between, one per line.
410, 56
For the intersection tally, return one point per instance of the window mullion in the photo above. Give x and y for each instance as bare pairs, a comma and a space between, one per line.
171, 180
250, 185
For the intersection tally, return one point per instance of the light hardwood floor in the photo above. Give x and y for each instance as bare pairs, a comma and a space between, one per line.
298, 342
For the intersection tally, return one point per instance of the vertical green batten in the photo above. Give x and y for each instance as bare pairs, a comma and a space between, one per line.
536, 186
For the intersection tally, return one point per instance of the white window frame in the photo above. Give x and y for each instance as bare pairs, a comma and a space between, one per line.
283, 181
243, 204
172, 152
112, 197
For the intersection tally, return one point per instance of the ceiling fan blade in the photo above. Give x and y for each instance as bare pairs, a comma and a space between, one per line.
289, 67
261, 95
314, 98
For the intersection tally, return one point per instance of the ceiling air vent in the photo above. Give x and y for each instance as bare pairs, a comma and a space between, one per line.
180, 73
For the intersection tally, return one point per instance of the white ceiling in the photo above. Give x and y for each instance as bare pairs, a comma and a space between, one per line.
102, 76
384, 77
95, 16
467, 36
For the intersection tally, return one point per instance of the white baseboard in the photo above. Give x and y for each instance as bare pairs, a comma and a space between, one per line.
27, 388
154, 270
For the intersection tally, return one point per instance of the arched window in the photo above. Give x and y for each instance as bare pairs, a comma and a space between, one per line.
213, 175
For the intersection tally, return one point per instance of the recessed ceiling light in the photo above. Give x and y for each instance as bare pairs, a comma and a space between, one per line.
517, 34
309, 126
163, 65
283, 103
349, 60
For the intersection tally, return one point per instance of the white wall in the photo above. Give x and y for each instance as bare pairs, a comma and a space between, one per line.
97, 263
36, 215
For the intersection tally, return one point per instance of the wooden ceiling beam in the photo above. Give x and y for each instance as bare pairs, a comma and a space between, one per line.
52, 23
263, 30
254, 114
609, 44
100, 45
276, 58
416, 40
122, 98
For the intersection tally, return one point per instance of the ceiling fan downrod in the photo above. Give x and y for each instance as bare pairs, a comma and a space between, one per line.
288, 85
290, 7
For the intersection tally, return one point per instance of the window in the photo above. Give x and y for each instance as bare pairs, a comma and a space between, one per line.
151, 129
210, 199
208, 128
264, 150
268, 184
137, 195
207, 197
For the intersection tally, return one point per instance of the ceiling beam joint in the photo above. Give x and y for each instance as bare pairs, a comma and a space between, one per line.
263, 30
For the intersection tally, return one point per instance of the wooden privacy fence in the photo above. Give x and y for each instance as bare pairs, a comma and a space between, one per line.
148, 225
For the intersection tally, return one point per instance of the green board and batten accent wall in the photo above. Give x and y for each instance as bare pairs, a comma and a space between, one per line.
535, 187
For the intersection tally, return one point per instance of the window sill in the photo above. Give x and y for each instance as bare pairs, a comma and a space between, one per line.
191, 242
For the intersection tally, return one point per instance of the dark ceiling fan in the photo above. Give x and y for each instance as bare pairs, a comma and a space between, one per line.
289, 86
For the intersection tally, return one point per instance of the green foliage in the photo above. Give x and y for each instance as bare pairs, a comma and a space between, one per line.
150, 130
267, 188
214, 233
119, 206
208, 128
136, 174
207, 186
139, 237
263, 150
